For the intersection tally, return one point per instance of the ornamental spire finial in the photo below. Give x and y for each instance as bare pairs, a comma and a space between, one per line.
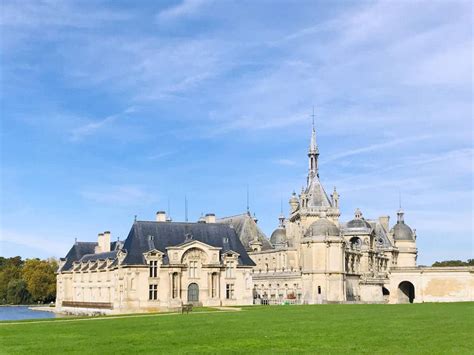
313, 145
313, 154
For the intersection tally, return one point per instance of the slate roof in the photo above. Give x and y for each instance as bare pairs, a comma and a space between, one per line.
99, 256
322, 227
84, 251
402, 231
317, 196
145, 236
278, 236
247, 230
78, 250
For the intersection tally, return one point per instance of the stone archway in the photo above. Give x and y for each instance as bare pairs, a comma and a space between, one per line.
406, 292
193, 293
385, 294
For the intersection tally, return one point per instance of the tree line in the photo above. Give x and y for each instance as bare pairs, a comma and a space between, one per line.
27, 281
469, 262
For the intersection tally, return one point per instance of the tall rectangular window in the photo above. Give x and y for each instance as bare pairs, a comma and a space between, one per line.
193, 269
229, 291
153, 292
213, 285
175, 285
153, 268
229, 269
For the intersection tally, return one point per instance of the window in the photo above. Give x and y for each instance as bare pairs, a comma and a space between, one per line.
153, 292
175, 284
319, 290
229, 291
213, 285
193, 269
229, 267
153, 268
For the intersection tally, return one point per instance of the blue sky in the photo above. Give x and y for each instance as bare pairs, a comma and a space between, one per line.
110, 109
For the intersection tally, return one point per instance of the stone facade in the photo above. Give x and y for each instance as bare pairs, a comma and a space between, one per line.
316, 258
160, 266
312, 257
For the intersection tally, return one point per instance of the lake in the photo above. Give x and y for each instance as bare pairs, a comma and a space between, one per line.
23, 312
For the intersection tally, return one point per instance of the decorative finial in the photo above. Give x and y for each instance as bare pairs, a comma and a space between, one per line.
248, 203
169, 209
135, 218
185, 208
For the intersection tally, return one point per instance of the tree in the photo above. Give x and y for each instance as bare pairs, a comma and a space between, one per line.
40, 279
447, 263
8, 272
17, 292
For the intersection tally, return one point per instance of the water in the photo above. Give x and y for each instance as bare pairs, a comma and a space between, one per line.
22, 312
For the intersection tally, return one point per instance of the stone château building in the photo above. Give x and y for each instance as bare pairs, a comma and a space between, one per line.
160, 265
311, 257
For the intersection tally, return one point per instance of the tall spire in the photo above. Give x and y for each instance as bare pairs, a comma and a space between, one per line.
313, 147
400, 213
248, 203
313, 153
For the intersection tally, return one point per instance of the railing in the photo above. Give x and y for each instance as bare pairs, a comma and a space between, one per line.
277, 302
99, 305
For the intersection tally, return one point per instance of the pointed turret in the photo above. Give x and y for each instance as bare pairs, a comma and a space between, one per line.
313, 155
314, 194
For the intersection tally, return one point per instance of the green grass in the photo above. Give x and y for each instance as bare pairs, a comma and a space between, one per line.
395, 329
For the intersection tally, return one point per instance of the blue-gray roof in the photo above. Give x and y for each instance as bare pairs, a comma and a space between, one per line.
78, 250
99, 256
145, 236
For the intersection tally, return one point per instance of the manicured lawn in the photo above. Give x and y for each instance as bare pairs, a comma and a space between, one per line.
394, 329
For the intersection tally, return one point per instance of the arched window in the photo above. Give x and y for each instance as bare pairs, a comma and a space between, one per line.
356, 243
193, 292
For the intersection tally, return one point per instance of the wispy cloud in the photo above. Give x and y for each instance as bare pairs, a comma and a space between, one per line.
183, 9
160, 155
118, 194
91, 128
44, 244
374, 147
285, 162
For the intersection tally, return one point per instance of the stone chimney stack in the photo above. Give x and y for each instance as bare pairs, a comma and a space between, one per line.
210, 218
384, 221
106, 242
161, 216
100, 241
103, 242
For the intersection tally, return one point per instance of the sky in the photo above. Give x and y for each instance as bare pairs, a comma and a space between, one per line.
111, 109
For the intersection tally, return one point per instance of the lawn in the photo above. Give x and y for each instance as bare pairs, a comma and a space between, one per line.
395, 329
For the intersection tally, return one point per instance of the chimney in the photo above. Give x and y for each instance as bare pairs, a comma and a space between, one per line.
104, 242
210, 218
384, 221
161, 216
100, 241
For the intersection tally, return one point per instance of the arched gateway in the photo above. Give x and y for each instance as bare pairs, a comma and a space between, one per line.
406, 292
193, 292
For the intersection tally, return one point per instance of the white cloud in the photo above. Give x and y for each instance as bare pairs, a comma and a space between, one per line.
183, 9
118, 194
286, 162
46, 244
91, 128
374, 147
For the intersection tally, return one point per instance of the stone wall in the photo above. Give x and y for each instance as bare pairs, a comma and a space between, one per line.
431, 284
